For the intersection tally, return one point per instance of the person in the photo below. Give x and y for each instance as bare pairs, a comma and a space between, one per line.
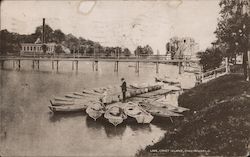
124, 89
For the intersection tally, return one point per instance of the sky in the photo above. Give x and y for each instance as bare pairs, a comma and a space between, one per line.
118, 23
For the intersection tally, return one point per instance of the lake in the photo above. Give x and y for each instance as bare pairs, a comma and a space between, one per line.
28, 128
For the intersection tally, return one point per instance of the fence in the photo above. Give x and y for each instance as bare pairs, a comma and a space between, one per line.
210, 75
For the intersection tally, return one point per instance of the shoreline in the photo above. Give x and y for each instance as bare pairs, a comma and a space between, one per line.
217, 124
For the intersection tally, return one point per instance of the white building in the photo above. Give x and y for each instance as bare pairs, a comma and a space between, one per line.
36, 48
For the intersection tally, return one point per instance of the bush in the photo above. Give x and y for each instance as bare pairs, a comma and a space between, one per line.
210, 59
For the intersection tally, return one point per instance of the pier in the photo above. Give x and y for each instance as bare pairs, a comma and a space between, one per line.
95, 60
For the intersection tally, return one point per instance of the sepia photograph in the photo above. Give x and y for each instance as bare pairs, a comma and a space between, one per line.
125, 78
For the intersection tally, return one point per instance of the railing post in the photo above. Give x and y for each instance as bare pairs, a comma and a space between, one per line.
227, 66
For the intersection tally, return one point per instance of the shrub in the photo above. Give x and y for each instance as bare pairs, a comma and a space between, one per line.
210, 59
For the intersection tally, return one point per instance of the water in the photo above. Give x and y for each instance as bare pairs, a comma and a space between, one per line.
28, 128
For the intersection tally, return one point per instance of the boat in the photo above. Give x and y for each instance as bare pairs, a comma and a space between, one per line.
91, 92
60, 102
95, 110
166, 80
169, 107
141, 116
73, 96
87, 100
158, 111
68, 108
115, 114
63, 99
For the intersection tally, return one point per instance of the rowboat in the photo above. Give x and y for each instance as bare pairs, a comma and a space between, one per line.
115, 114
74, 96
141, 116
63, 99
68, 108
166, 80
170, 107
158, 111
60, 102
95, 110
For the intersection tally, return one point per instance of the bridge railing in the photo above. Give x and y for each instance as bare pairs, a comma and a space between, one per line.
210, 75
149, 57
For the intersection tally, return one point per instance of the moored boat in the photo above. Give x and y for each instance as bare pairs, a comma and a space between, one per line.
115, 115
158, 111
60, 102
95, 110
68, 108
141, 116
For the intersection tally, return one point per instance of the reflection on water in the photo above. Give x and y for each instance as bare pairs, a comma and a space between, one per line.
28, 128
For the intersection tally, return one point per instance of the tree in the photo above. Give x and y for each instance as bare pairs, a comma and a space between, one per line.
58, 36
233, 30
48, 33
210, 59
9, 42
58, 49
44, 48
144, 51
127, 52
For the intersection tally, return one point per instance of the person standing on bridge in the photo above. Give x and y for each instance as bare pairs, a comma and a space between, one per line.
124, 89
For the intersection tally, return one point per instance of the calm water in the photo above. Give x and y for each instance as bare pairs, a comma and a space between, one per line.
29, 128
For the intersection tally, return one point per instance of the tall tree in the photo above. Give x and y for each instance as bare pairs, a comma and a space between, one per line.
58, 36
48, 33
233, 30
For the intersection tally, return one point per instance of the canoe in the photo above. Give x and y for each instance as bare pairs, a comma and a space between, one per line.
158, 111
141, 116
91, 92
63, 99
68, 108
95, 110
74, 96
60, 102
73, 102
165, 80
115, 115
169, 107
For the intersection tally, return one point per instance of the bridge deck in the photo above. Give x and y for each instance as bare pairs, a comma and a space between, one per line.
101, 59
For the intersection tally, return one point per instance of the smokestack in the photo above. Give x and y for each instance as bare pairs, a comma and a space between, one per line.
43, 35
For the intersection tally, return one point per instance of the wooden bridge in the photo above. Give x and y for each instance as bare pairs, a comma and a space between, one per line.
137, 60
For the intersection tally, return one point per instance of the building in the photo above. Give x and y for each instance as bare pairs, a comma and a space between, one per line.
36, 48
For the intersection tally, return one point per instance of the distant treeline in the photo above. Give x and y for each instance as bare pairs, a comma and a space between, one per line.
11, 43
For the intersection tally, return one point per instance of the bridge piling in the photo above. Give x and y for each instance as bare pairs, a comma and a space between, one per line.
57, 65
116, 66
96, 65
179, 65
157, 67
38, 64
52, 65
13, 64
33, 64
73, 65
2, 64
76, 65
19, 64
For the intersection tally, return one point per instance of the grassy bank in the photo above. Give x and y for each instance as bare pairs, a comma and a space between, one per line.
218, 123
